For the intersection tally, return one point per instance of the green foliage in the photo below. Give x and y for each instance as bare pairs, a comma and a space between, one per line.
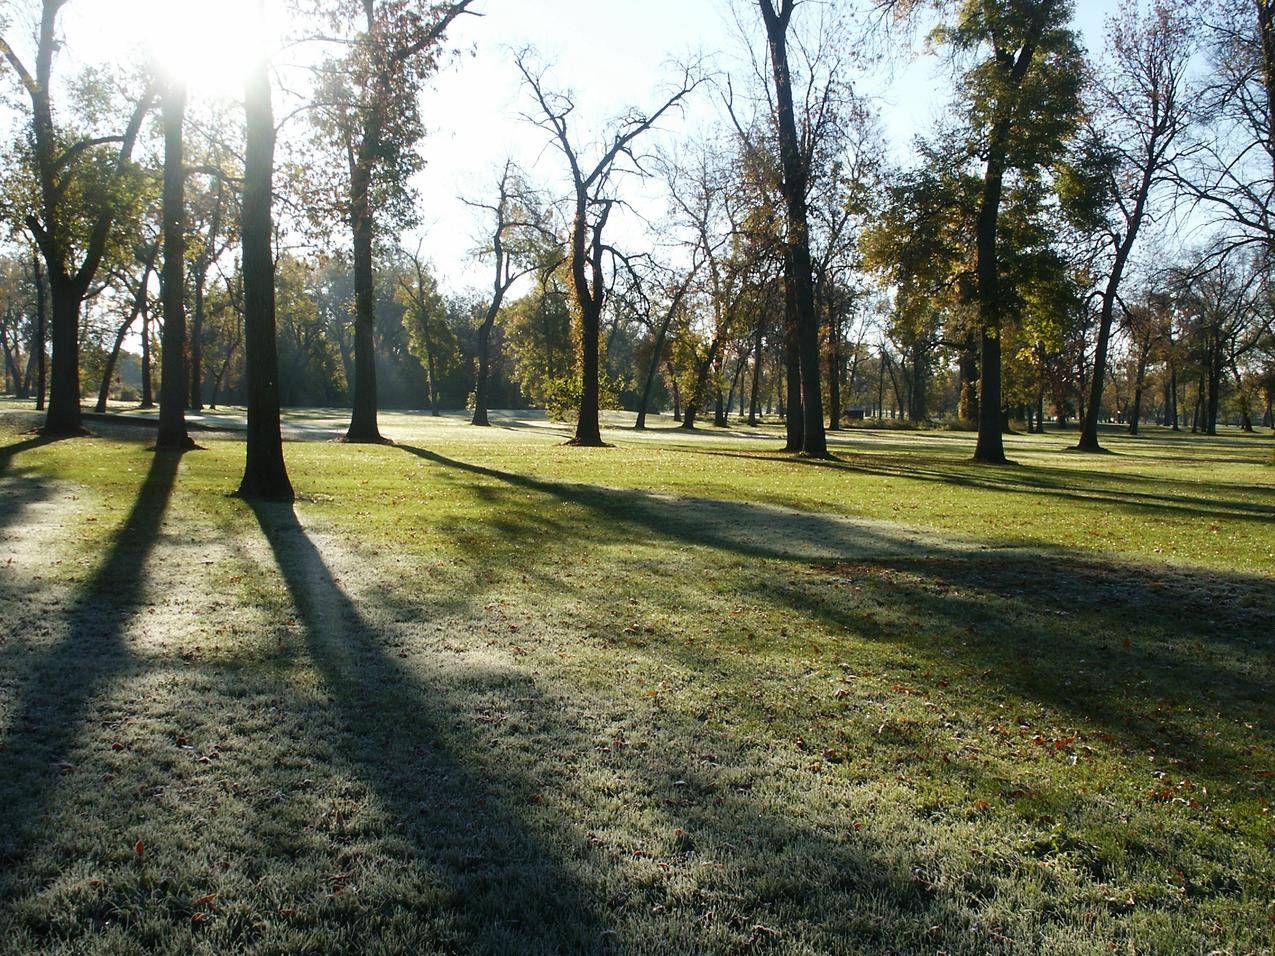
1084, 181
561, 395
540, 342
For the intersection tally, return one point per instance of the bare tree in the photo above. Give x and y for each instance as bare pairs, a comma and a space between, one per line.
1143, 109
519, 233
798, 266
594, 198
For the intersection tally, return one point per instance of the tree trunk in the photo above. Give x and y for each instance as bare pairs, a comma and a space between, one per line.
63, 416
1089, 422
677, 398
221, 374
797, 260
696, 398
794, 419
967, 367
10, 365
265, 475
657, 349
834, 369
148, 387
1246, 409
990, 449
588, 424
174, 384
1173, 394
734, 386
42, 332
1215, 397
432, 384
363, 421
484, 361
754, 396
196, 403
139, 300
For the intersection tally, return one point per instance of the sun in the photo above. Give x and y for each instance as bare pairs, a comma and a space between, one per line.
209, 46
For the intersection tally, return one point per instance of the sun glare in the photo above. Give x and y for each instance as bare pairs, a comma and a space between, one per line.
210, 46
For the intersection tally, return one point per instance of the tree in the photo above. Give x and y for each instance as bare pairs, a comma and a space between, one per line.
265, 474
146, 255
213, 174
369, 94
172, 397
1142, 110
428, 334
521, 241
593, 199
1145, 322
707, 196
78, 195
1023, 102
1227, 317
672, 295
1233, 167
798, 267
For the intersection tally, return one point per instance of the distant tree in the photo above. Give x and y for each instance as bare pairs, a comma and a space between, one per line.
706, 196
671, 288
214, 171
538, 335
1226, 318
593, 199
136, 289
521, 241
425, 316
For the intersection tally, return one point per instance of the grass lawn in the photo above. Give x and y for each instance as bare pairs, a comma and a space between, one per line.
480, 692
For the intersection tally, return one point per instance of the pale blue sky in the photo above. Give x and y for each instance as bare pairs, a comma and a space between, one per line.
612, 53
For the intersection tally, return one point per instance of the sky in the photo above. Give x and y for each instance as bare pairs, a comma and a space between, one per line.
612, 54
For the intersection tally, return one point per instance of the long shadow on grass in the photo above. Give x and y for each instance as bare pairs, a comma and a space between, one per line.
738, 875
21, 488
1108, 642
56, 694
511, 894
1037, 481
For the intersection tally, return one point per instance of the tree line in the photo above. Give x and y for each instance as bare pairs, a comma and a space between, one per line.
1082, 236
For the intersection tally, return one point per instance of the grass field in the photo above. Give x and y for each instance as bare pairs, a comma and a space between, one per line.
480, 692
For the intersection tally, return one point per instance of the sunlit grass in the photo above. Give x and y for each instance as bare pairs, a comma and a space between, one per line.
483, 692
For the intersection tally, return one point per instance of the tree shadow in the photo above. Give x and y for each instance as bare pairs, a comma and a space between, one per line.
726, 871
405, 738
56, 695
1036, 480
22, 488
1109, 642
10, 452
